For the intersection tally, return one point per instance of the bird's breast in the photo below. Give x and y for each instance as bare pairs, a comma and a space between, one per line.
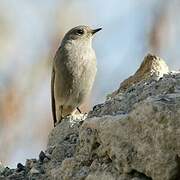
77, 70
83, 72
81, 61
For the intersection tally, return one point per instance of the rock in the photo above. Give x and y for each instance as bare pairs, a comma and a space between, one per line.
29, 164
64, 138
44, 157
152, 67
145, 140
133, 135
20, 167
138, 87
34, 171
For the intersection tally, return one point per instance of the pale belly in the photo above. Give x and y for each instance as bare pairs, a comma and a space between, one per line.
73, 87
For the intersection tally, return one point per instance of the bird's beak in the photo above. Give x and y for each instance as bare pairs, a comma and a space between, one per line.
95, 30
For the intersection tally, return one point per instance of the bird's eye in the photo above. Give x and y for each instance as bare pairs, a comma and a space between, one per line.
80, 31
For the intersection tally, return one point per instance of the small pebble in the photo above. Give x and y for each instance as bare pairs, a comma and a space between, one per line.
29, 164
34, 171
20, 167
42, 156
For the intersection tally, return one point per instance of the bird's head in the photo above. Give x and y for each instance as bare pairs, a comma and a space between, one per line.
83, 33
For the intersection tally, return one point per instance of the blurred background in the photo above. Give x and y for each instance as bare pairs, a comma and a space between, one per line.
30, 33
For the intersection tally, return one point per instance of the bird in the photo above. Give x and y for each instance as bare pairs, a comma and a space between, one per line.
73, 72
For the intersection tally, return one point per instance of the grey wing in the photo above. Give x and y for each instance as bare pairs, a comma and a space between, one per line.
53, 103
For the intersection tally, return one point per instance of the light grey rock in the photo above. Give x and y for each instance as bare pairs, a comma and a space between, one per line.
145, 140
64, 138
133, 135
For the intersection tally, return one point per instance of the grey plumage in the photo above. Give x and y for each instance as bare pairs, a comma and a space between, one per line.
73, 73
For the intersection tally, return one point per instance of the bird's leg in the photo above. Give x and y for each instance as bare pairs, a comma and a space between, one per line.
78, 110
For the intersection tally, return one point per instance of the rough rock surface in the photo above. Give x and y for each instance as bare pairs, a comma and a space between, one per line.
152, 67
133, 135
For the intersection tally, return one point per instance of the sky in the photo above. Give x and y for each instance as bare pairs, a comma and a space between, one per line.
30, 34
